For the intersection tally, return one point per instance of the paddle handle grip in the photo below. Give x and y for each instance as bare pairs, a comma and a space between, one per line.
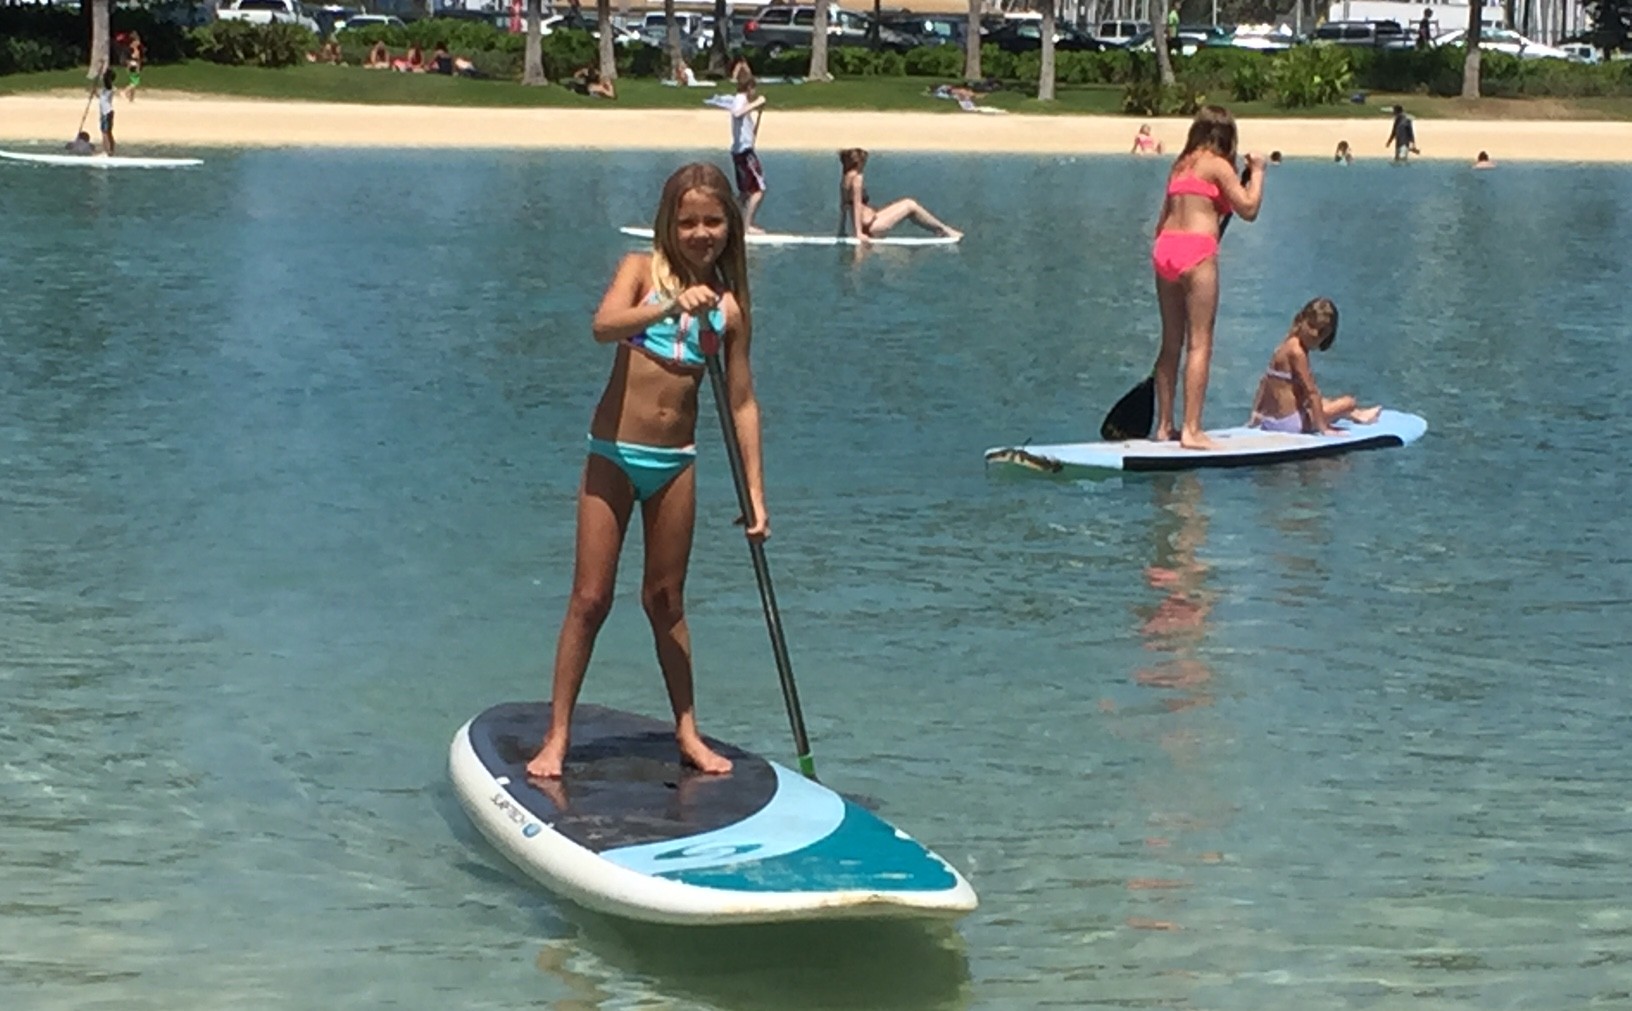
756, 550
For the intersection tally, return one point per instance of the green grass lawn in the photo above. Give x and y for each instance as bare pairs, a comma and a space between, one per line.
323, 83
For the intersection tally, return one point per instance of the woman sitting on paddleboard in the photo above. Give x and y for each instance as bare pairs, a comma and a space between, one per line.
870, 224
659, 311
1288, 400
1202, 191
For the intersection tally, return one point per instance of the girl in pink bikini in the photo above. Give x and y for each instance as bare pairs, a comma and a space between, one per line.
1288, 399
1202, 192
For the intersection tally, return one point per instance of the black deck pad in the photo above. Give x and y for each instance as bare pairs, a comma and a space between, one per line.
624, 784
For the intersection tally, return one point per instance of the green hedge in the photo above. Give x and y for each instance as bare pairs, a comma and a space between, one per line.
41, 37
240, 43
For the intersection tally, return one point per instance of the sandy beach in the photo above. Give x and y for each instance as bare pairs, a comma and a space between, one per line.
173, 121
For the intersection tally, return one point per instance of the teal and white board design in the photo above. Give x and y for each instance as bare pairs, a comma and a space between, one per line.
1237, 447
789, 239
98, 161
628, 831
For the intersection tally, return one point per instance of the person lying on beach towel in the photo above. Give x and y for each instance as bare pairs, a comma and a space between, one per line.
965, 97
684, 77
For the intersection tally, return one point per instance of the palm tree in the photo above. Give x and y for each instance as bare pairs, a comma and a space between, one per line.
722, 38
818, 44
609, 61
671, 36
533, 53
1470, 63
1158, 34
99, 40
1045, 79
971, 43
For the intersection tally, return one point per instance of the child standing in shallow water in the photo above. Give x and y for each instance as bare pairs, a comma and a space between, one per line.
1288, 400
659, 310
1202, 192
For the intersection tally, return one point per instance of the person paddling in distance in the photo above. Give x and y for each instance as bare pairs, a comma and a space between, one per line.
855, 207
659, 311
104, 106
1288, 399
1202, 191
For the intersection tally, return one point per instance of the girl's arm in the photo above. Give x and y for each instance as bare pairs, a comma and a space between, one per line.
623, 311
1246, 199
1307, 391
739, 382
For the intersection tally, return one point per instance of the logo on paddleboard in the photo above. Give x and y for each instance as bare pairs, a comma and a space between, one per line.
510, 809
710, 851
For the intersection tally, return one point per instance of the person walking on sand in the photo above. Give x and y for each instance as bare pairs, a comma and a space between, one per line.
746, 108
104, 106
1288, 399
1402, 136
663, 311
135, 57
854, 205
1202, 192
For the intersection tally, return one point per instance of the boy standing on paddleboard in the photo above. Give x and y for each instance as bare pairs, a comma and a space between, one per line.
745, 113
104, 105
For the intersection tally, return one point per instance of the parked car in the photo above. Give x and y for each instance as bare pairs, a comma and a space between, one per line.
1580, 52
587, 21
931, 29
1027, 37
1186, 43
266, 12
1375, 34
497, 18
779, 28
369, 21
1120, 33
1504, 40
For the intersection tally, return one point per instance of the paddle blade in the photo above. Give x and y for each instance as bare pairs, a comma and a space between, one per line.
1133, 415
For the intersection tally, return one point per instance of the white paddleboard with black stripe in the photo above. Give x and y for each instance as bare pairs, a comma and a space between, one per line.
790, 239
1237, 447
628, 831
98, 161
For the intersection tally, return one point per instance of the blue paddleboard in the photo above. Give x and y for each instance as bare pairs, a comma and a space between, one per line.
628, 831
1237, 447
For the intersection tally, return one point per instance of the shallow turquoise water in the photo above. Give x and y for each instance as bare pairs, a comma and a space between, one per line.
290, 443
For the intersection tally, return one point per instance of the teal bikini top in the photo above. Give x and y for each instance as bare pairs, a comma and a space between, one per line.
677, 339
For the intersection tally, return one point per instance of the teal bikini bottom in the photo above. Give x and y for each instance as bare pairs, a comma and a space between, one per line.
649, 468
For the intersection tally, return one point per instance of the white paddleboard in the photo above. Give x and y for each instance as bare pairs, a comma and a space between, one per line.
789, 239
1237, 447
102, 161
628, 831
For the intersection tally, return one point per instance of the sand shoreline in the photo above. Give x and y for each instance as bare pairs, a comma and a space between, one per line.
171, 121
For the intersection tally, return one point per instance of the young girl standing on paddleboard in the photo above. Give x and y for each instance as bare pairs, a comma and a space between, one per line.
662, 311
1202, 191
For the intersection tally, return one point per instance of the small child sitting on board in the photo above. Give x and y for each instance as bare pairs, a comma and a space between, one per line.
1288, 400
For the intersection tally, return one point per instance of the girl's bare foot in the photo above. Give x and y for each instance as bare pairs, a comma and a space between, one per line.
1196, 440
694, 752
1367, 415
952, 233
550, 758
1164, 433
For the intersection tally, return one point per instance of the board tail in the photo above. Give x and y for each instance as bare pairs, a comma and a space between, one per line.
1133, 416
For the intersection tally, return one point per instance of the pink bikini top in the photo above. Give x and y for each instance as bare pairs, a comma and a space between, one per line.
1195, 186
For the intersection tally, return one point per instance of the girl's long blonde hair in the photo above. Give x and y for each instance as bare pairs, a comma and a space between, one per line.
669, 273
1213, 130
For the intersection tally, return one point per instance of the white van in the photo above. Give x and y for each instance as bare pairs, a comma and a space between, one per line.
1119, 33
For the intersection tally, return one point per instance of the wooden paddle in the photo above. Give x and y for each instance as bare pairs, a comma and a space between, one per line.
1133, 416
756, 548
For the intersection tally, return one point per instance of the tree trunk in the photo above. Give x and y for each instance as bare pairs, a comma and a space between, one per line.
1470, 64
1045, 78
533, 52
609, 61
818, 44
971, 43
98, 61
878, 19
671, 38
722, 40
1158, 35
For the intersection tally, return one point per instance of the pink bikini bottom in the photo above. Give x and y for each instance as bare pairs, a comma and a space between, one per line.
1176, 252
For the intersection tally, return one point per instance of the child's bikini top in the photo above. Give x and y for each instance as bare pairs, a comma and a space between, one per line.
677, 339
1195, 186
